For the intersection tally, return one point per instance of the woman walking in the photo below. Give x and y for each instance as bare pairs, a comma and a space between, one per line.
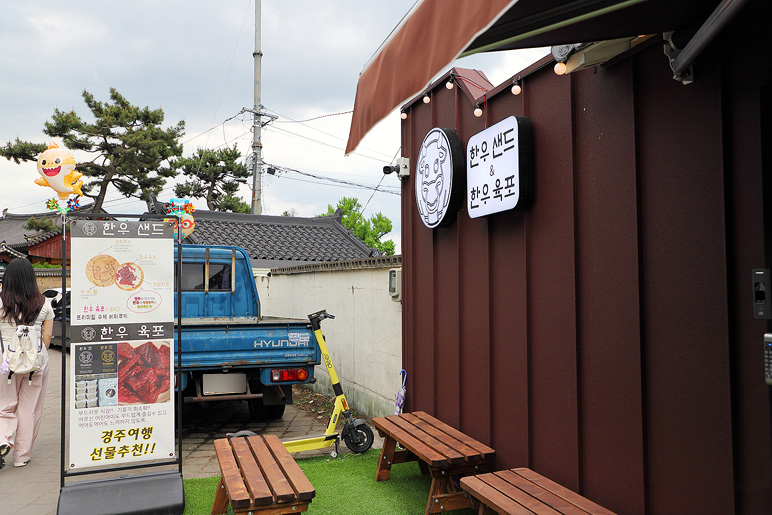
21, 401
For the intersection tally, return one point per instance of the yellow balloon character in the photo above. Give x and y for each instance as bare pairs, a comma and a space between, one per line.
56, 167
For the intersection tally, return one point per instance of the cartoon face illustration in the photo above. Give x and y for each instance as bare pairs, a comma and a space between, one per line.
56, 167
434, 178
186, 224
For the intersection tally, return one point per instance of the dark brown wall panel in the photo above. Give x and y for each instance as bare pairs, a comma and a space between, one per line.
551, 301
446, 298
745, 149
447, 358
608, 290
475, 354
509, 325
423, 343
688, 404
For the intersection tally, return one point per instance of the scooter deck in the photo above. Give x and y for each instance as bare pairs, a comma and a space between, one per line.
308, 443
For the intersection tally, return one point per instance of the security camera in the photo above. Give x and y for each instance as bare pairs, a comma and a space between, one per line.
390, 169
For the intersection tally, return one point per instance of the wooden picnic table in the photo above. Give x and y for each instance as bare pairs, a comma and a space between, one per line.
442, 451
259, 476
522, 491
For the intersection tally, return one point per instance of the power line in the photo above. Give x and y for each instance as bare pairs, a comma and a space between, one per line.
290, 133
302, 122
334, 180
379, 182
290, 120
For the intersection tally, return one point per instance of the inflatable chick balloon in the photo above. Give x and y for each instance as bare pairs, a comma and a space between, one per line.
56, 167
184, 210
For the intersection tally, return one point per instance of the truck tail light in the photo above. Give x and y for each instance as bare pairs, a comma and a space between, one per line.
289, 374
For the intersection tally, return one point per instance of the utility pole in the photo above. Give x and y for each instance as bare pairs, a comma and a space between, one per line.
257, 146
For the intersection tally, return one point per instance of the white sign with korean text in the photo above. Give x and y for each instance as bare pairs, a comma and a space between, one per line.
120, 381
493, 169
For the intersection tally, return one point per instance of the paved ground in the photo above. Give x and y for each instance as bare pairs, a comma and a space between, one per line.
39, 480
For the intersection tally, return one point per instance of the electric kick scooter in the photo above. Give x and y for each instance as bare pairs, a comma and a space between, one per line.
357, 435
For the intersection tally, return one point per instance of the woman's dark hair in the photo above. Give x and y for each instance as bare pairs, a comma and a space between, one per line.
20, 295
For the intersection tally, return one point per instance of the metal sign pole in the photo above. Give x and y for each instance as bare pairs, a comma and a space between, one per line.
64, 342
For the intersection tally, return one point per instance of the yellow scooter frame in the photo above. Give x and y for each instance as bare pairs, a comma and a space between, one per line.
356, 434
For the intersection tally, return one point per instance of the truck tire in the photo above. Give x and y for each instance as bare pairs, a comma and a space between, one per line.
258, 410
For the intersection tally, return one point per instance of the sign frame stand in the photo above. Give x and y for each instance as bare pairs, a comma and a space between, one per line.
149, 493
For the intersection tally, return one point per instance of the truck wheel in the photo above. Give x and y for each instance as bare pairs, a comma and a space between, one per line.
259, 411
361, 439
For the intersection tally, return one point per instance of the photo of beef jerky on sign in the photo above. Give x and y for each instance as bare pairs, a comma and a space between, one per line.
143, 373
129, 276
101, 269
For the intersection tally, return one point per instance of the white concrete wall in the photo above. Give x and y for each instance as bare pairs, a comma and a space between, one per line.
365, 338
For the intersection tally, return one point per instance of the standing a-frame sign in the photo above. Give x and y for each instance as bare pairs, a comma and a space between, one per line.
118, 389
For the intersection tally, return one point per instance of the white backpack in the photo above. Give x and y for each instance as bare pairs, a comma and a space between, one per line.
25, 352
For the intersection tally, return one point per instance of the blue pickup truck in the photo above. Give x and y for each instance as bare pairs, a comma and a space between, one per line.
228, 351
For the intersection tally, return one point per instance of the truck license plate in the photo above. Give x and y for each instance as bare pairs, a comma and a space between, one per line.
215, 384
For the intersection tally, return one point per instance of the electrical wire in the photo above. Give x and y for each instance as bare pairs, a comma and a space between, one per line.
333, 180
289, 120
227, 74
302, 122
379, 182
293, 134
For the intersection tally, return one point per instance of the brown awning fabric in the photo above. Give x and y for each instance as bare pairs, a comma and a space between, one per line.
430, 39
439, 31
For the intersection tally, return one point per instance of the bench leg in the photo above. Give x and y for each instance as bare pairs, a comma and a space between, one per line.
386, 459
220, 499
444, 497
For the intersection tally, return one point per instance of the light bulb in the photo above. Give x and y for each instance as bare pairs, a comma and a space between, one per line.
427, 99
560, 68
478, 111
516, 89
449, 84
403, 115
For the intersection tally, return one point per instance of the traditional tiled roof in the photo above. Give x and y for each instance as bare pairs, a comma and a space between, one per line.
5, 249
16, 236
278, 241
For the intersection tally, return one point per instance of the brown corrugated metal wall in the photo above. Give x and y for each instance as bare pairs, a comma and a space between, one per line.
604, 336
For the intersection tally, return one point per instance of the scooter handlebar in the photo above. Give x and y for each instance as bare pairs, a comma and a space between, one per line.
316, 318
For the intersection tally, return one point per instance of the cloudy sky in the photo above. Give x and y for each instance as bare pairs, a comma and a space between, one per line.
193, 59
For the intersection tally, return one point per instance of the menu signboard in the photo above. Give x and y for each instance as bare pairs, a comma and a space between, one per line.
122, 343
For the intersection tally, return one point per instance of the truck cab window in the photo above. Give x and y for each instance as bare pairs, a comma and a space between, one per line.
219, 276
193, 276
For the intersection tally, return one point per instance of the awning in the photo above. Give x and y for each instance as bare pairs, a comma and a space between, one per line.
436, 32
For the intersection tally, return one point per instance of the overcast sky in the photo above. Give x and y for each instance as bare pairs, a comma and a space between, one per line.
193, 59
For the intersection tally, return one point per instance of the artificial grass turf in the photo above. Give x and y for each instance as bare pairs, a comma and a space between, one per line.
343, 487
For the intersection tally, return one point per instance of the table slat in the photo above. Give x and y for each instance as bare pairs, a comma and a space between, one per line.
231, 476
437, 440
485, 451
569, 495
253, 477
303, 488
407, 440
271, 471
492, 497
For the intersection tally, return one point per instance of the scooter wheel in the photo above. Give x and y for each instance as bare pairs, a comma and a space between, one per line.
361, 439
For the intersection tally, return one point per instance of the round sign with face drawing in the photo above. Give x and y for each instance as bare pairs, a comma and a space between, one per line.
439, 177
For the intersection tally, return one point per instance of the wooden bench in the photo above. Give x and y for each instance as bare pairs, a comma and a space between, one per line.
259, 476
442, 451
523, 491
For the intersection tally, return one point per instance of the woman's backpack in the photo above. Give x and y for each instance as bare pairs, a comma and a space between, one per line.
25, 352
